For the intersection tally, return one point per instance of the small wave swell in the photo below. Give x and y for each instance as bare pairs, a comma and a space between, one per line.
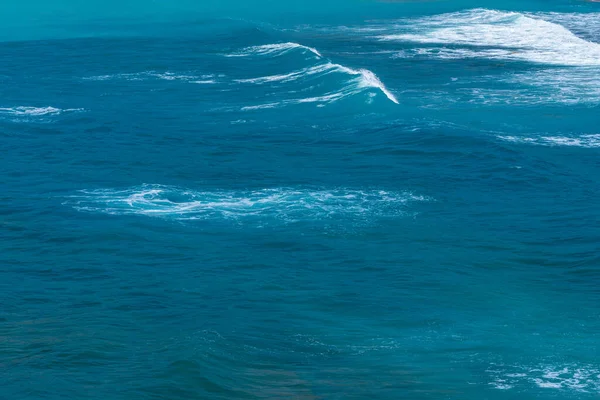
280, 204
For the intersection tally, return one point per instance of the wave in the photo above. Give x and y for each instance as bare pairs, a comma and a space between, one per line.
498, 35
369, 80
361, 79
276, 49
282, 204
587, 141
365, 79
579, 378
24, 111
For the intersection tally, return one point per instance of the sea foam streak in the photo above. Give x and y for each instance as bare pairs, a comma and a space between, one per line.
287, 204
23, 111
149, 75
273, 49
498, 35
587, 141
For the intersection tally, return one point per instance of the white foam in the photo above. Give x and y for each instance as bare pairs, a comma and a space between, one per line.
23, 111
369, 79
276, 49
577, 378
587, 141
287, 204
501, 385
499, 35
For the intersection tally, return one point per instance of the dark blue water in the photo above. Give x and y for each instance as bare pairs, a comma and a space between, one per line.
236, 201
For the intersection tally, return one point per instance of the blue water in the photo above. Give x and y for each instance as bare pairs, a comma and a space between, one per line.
316, 200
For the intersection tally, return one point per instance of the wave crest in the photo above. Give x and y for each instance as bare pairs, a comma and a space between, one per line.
274, 49
499, 35
365, 79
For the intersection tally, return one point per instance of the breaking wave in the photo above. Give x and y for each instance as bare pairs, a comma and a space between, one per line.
492, 34
361, 78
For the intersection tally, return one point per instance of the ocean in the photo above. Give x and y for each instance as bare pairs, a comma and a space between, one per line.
307, 200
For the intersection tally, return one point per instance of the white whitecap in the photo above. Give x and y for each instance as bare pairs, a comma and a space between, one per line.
571, 377
498, 35
370, 80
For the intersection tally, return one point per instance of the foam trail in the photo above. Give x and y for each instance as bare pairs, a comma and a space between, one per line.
23, 111
586, 141
287, 204
261, 107
499, 35
274, 49
148, 75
